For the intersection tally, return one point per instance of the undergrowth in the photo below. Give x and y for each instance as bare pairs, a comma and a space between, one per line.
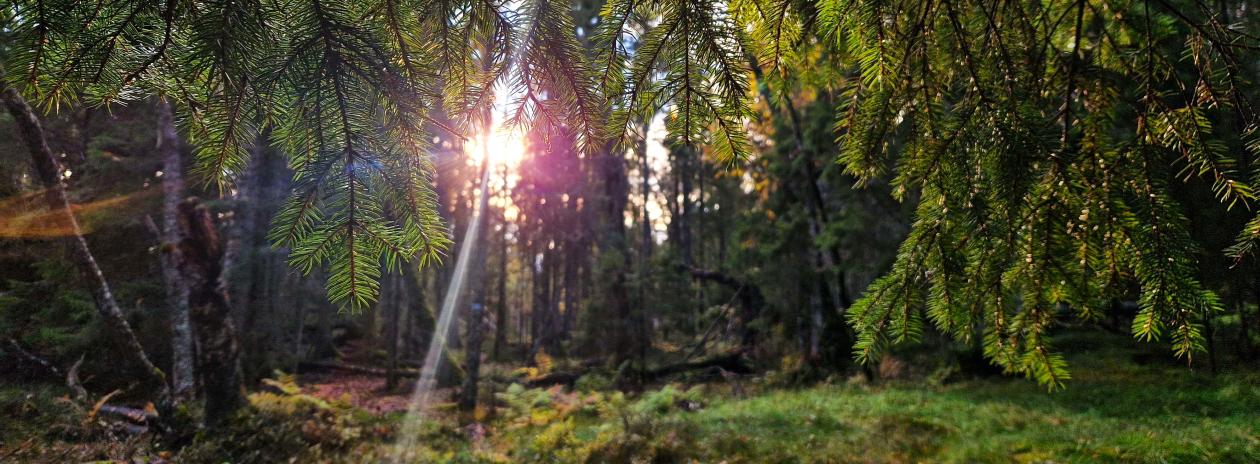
1118, 408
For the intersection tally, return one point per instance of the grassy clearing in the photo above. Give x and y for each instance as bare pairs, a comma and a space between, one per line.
1114, 410
1210, 421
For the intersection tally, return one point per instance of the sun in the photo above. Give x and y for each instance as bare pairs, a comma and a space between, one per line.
506, 148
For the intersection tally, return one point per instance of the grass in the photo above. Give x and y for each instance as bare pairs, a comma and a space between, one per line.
1113, 410
987, 422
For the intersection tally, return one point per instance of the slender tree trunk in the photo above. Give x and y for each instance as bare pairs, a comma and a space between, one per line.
1210, 335
49, 173
298, 351
812, 195
395, 305
475, 317
472, 354
1244, 330
201, 261
183, 378
699, 240
419, 318
554, 269
501, 306
686, 158
321, 345
1255, 290
570, 288
542, 307
645, 191
816, 319
645, 219
671, 199
610, 201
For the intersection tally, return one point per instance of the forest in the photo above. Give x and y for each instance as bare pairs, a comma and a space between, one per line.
490, 231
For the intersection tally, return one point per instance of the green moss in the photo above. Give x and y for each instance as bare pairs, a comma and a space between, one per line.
1114, 410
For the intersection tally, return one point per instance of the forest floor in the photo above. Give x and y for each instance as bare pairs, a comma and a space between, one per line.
1119, 406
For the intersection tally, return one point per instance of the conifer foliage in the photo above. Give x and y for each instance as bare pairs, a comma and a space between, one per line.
1042, 140
690, 61
345, 89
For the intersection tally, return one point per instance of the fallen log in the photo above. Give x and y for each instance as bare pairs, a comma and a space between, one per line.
357, 369
567, 379
136, 420
72, 376
31, 358
751, 301
134, 415
730, 362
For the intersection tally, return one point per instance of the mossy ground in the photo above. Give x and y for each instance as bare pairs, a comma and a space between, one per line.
1113, 410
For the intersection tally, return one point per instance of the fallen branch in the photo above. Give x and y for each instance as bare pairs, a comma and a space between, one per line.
138, 416
31, 358
751, 302
71, 376
567, 378
731, 362
72, 381
367, 370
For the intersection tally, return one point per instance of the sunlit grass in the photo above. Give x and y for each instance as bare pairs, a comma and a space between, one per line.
1115, 410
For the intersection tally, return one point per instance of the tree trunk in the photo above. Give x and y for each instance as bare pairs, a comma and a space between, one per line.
645, 191
201, 261
49, 173
501, 309
610, 173
475, 317
182, 375
645, 249
540, 316
472, 355
686, 156
1244, 332
396, 302
553, 263
419, 320
571, 284
299, 353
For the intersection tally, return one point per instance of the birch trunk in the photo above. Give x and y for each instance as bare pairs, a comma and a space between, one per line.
182, 374
49, 173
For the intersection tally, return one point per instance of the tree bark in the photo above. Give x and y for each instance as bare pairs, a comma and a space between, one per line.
49, 173
201, 261
472, 356
501, 309
397, 304
168, 147
539, 316
610, 173
571, 284
475, 317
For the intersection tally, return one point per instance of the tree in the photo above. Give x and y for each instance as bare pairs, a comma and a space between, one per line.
182, 377
50, 175
1043, 142
200, 257
1041, 177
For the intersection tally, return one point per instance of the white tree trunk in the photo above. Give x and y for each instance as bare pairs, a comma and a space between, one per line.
182, 376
